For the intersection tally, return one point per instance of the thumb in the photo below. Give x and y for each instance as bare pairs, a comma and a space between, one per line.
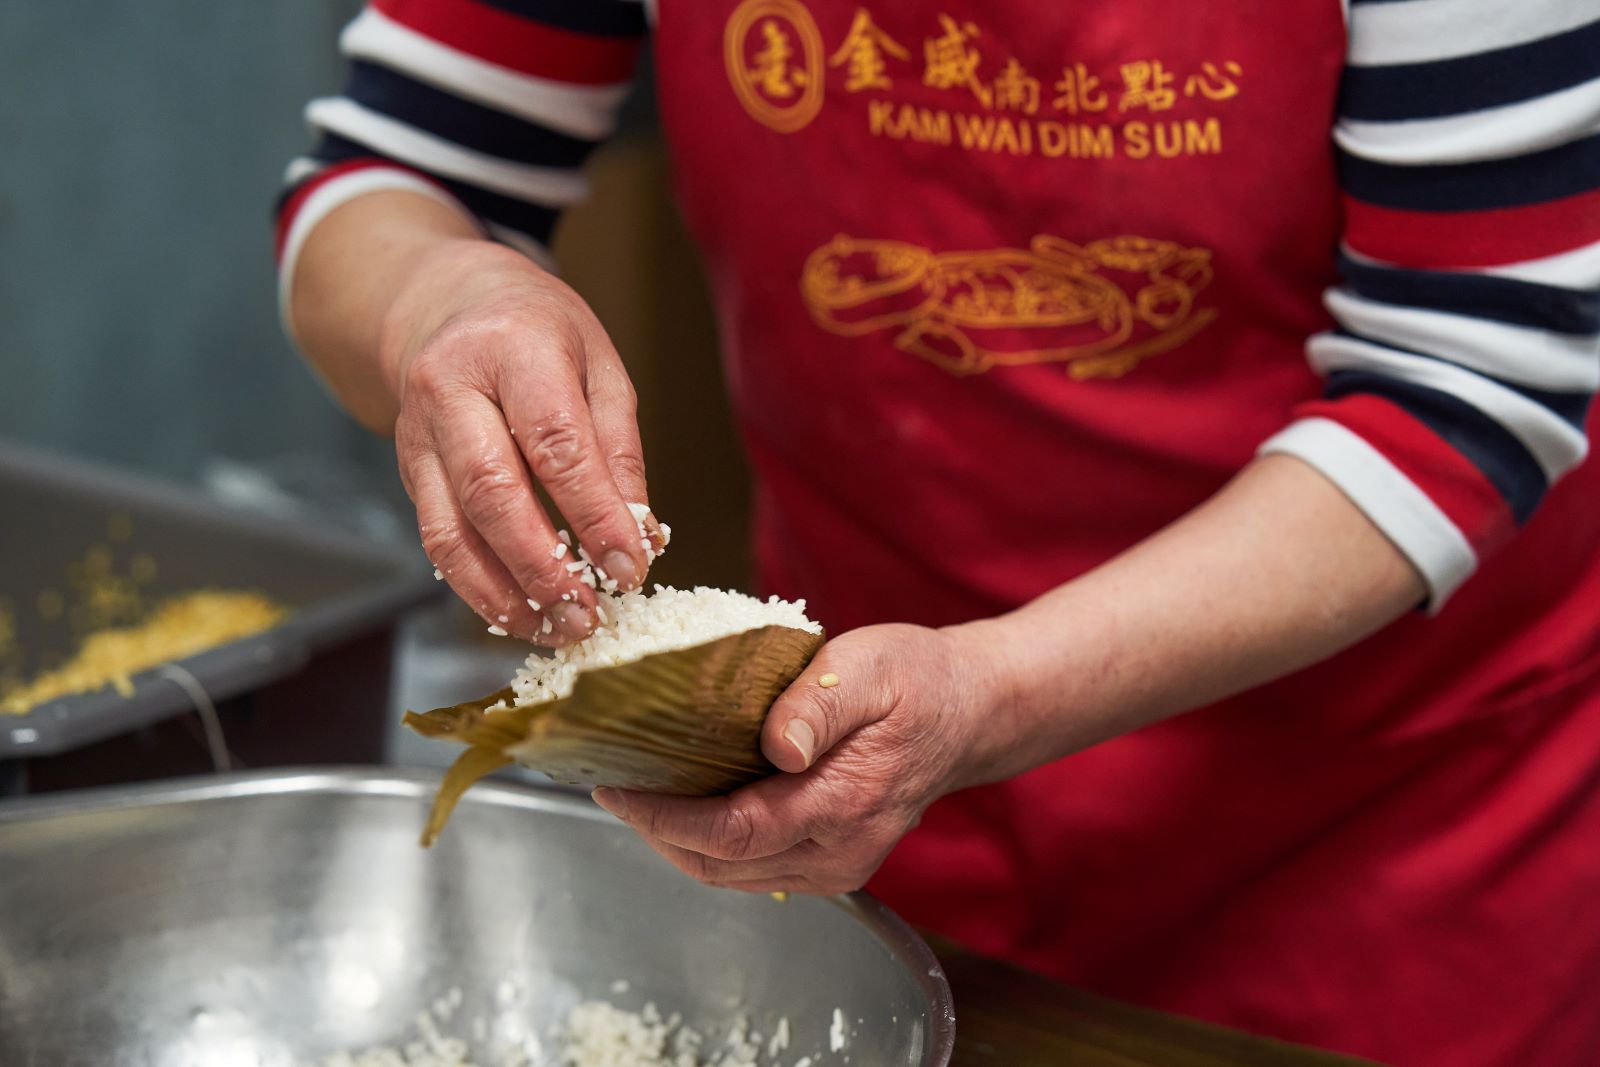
832, 698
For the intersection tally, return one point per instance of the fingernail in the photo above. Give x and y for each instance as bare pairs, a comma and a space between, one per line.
573, 620
611, 801
798, 733
620, 565
654, 533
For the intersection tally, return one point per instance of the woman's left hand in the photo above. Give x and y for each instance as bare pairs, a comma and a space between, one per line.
865, 757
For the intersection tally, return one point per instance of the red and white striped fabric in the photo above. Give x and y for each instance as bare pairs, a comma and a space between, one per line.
1469, 346
489, 107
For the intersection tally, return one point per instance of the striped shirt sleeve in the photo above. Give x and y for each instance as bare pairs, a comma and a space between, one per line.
490, 106
1466, 350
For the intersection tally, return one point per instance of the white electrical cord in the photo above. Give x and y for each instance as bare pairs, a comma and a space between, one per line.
209, 720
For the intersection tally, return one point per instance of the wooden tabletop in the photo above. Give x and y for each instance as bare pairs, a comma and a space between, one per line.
1008, 1017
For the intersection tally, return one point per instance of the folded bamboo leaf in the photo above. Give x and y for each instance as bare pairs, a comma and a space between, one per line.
471, 765
686, 722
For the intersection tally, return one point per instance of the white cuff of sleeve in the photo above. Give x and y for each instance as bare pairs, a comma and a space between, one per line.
1403, 512
334, 194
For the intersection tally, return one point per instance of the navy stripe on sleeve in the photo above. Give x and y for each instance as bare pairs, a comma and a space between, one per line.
461, 121
535, 221
1489, 446
1564, 170
1572, 408
603, 18
1486, 296
1472, 82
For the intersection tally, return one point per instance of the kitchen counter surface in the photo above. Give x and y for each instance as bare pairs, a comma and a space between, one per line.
1008, 1017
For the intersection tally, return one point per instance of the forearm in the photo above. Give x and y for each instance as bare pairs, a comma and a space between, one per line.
346, 279
1277, 571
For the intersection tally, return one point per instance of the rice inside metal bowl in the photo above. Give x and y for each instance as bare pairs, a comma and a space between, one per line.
277, 919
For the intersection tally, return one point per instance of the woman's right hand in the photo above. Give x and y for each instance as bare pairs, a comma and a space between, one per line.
506, 380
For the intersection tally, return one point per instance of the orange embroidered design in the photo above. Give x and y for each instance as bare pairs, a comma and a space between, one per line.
773, 52
1149, 85
1015, 88
862, 54
1079, 90
1212, 84
1100, 308
951, 63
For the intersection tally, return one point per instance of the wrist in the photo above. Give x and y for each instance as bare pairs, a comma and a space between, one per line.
1006, 724
1050, 686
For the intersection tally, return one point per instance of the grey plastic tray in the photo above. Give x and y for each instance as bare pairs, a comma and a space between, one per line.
52, 510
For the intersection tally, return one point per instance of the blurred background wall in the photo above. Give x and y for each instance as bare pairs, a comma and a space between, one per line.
142, 148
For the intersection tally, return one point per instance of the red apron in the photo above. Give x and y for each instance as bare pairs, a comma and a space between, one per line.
1005, 287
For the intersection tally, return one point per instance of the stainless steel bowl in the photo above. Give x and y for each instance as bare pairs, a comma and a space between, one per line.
273, 918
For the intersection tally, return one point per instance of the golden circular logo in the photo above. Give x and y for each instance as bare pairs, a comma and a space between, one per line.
773, 52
